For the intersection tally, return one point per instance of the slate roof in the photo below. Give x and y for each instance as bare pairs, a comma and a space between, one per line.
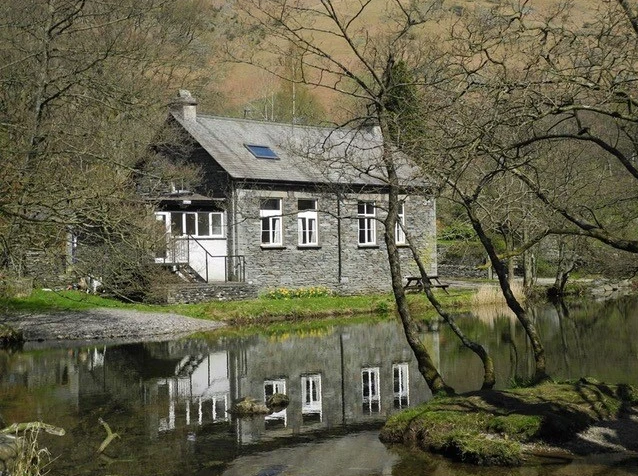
306, 154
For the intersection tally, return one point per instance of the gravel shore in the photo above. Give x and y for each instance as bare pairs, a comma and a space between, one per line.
104, 324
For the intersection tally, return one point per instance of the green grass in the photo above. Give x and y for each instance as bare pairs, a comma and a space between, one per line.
52, 301
490, 427
249, 312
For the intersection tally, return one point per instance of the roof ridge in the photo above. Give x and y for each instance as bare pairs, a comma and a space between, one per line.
276, 123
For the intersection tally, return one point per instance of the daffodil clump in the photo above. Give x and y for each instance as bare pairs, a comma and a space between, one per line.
285, 293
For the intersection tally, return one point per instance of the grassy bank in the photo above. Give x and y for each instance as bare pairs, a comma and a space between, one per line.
262, 310
505, 427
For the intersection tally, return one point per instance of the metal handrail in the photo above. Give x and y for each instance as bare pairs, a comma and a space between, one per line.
227, 258
179, 253
172, 252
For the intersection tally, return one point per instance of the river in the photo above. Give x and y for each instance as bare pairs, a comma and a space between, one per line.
168, 400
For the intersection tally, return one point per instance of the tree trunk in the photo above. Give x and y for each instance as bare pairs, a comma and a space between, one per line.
566, 264
540, 373
528, 263
425, 363
489, 378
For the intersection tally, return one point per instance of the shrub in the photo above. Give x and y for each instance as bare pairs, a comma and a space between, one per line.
457, 230
382, 307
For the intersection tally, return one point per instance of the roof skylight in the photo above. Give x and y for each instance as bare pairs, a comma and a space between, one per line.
261, 151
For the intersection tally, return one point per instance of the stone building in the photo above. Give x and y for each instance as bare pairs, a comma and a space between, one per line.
284, 205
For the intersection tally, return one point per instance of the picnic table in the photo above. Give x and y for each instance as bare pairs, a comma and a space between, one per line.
416, 282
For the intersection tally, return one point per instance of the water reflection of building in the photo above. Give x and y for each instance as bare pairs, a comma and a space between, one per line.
200, 385
176, 394
355, 375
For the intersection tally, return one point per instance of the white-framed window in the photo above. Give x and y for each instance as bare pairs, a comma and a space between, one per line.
307, 222
275, 419
401, 382
274, 386
270, 215
311, 395
399, 233
203, 224
370, 394
367, 223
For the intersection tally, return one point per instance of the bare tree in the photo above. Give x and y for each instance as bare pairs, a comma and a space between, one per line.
82, 88
564, 90
338, 54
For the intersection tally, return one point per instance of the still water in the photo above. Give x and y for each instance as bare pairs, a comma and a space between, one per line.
169, 400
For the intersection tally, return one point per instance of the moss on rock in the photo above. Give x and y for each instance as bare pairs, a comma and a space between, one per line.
490, 427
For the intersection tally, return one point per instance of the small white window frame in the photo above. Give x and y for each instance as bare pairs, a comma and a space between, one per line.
367, 223
311, 394
401, 384
371, 400
274, 219
278, 386
399, 228
198, 234
308, 224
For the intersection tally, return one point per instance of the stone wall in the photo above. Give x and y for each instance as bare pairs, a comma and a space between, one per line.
338, 262
461, 271
192, 293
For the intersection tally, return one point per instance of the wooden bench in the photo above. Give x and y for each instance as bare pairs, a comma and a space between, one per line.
415, 282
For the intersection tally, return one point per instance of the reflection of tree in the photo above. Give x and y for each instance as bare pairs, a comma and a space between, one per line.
563, 313
507, 338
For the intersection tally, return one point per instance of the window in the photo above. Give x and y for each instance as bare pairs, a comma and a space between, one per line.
370, 390
216, 224
307, 220
274, 386
270, 214
311, 397
276, 419
399, 233
367, 223
261, 151
401, 385
197, 224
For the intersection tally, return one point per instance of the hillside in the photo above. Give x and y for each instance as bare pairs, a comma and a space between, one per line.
250, 87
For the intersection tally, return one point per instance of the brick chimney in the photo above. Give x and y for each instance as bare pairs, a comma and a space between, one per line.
185, 105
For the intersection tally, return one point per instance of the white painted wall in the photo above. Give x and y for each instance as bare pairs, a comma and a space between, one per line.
198, 257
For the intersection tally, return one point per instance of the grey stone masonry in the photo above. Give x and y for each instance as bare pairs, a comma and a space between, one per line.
338, 262
200, 292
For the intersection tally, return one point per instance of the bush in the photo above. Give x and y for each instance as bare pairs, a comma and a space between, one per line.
11, 287
457, 231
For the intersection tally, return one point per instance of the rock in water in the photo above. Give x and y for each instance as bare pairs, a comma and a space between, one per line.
277, 402
249, 406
